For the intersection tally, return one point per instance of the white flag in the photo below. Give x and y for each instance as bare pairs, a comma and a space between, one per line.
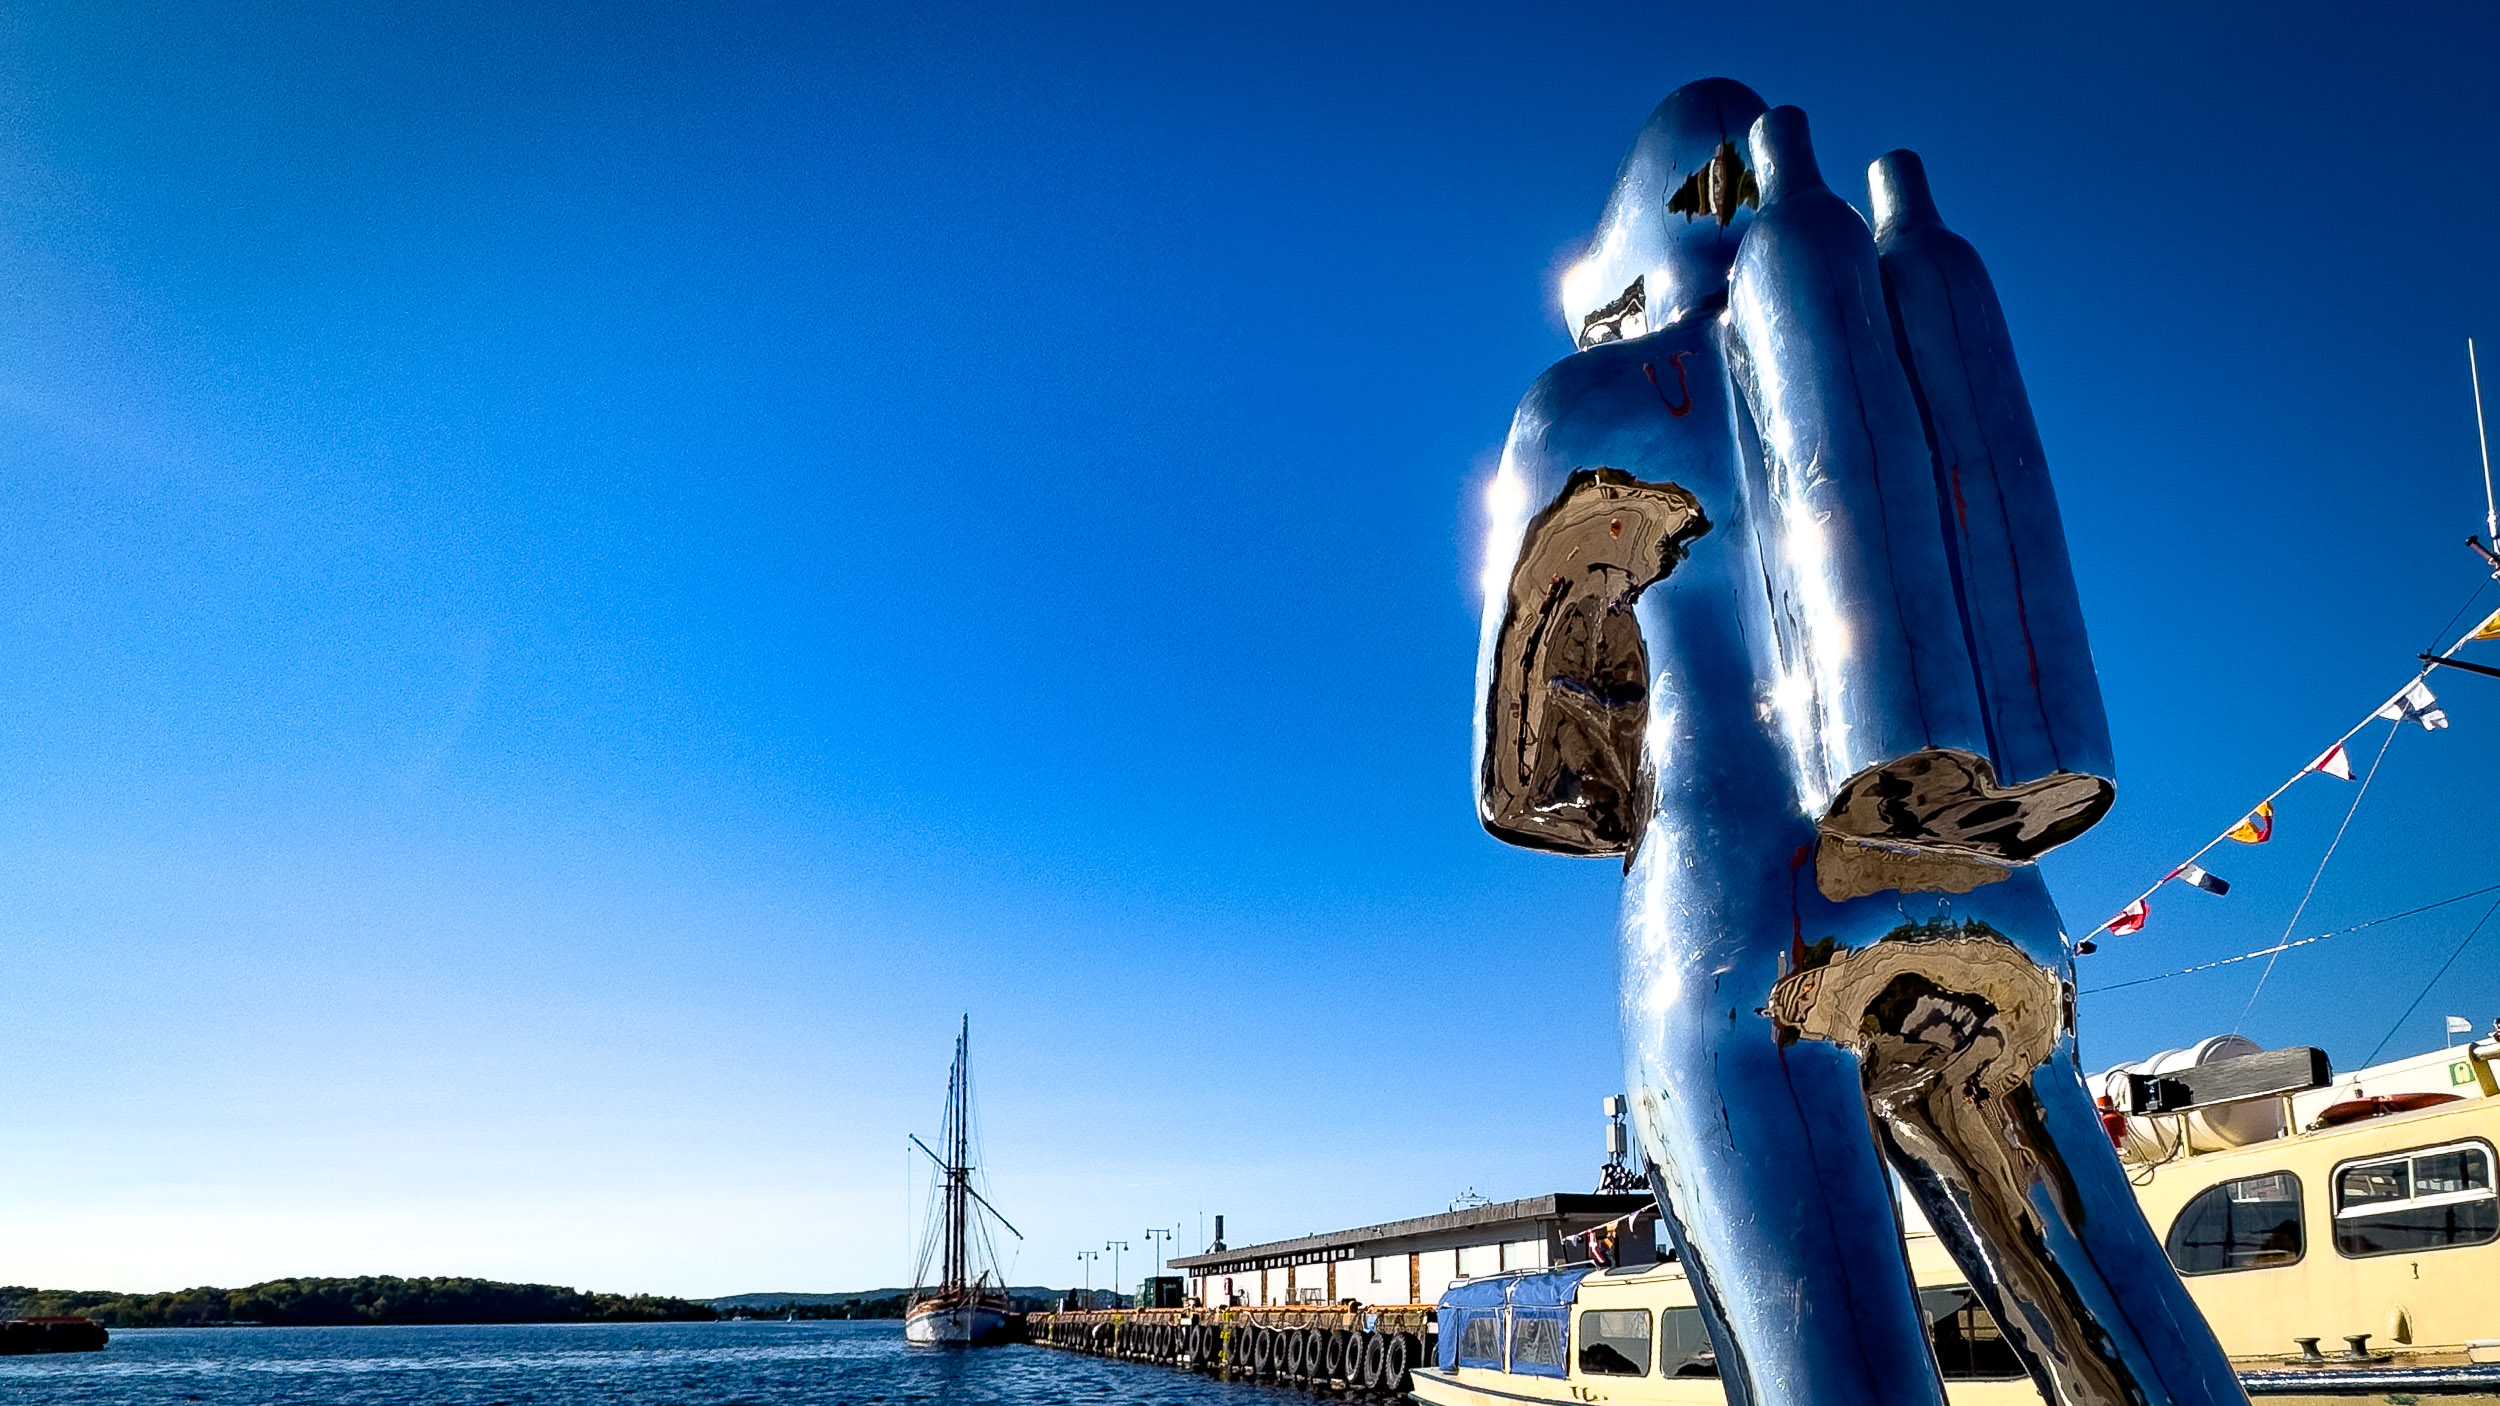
2418, 703
2459, 1025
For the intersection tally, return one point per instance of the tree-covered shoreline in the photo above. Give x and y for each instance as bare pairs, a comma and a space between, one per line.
370, 1300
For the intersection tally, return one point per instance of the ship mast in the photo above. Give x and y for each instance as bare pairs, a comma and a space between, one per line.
958, 1155
949, 1236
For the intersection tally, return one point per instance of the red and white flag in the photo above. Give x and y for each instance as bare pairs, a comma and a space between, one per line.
2335, 763
2130, 919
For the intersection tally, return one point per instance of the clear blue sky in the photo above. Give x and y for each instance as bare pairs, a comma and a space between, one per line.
576, 586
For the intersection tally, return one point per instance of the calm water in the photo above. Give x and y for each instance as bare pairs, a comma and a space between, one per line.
765, 1364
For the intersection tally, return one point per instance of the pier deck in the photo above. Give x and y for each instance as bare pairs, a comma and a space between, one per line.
1339, 1349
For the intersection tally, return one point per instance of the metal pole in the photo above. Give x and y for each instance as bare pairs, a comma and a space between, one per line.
2491, 512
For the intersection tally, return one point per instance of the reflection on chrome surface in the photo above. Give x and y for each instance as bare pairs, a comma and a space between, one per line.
1778, 607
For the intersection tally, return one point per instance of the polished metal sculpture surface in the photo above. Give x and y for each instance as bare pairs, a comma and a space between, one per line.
1778, 608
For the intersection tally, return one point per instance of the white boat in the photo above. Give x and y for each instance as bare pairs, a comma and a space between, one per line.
964, 1302
975, 1320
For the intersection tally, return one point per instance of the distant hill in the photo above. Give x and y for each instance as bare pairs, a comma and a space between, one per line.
854, 1296
332, 1303
859, 1303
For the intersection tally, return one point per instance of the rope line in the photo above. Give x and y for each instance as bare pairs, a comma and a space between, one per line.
2288, 946
2418, 996
2470, 602
2320, 873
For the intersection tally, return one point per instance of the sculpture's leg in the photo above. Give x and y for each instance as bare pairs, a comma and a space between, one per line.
1766, 1150
1967, 1041
2061, 1254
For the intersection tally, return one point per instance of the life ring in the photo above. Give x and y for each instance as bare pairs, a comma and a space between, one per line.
2354, 1110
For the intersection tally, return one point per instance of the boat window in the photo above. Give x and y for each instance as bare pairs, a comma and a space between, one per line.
1536, 1341
1969, 1345
2427, 1200
1614, 1342
1684, 1347
1480, 1339
2251, 1223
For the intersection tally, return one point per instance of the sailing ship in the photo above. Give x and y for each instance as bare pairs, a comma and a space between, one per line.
958, 1297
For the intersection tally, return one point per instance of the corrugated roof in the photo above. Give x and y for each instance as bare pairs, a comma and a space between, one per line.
1535, 1208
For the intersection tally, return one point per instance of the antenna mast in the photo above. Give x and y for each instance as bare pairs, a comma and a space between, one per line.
2491, 511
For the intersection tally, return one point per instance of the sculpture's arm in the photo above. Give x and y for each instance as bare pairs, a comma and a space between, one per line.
2002, 527
1871, 630
1883, 694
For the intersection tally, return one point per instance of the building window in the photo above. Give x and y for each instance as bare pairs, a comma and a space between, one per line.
2428, 1200
1614, 1342
1968, 1343
1480, 1339
1684, 1347
1375, 1269
2252, 1223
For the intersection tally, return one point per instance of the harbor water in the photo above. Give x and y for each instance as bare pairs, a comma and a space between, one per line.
666, 1364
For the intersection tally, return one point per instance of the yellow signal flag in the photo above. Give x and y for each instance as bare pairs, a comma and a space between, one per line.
2257, 828
2489, 629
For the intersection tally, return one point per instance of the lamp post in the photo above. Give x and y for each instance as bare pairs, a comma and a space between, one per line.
1087, 1258
1115, 1247
1159, 1239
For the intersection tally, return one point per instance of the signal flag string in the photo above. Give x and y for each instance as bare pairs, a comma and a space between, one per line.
2412, 703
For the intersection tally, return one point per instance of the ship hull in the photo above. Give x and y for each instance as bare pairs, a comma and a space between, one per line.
956, 1323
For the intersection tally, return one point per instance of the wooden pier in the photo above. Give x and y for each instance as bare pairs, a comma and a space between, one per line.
1343, 1350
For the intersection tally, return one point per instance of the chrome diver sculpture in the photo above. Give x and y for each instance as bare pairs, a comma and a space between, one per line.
1779, 609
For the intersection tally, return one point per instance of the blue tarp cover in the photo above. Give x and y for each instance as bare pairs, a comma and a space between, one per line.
1473, 1292
1554, 1286
1544, 1296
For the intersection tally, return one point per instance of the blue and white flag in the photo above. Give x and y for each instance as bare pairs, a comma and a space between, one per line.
2417, 703
2203, 878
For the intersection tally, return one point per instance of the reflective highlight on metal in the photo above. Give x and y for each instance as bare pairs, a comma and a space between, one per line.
1778, 608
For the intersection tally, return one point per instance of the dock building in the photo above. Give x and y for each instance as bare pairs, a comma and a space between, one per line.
1413, 1261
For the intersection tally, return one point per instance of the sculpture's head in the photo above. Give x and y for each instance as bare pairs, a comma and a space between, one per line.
1680, 204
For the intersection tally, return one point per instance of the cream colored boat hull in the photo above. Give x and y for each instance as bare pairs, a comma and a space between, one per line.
956, 1325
